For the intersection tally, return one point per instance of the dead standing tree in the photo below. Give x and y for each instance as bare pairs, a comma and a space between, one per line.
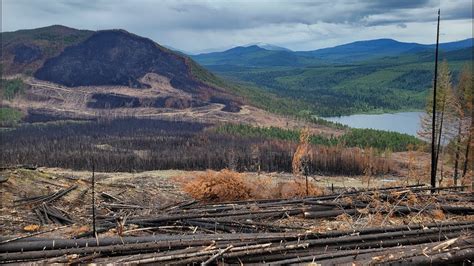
94, 231
434, 157
302, 157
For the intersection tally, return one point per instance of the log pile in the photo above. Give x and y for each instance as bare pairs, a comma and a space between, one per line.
46, 198
45, 211
254, 231
372, 244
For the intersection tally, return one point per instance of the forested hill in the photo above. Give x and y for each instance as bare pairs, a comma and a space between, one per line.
381, 75
72, 58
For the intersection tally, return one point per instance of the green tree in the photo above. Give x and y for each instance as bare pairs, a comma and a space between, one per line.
460, 108
442, 127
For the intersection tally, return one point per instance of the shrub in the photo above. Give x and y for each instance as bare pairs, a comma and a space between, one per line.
227, 185
9, 116
11, 88
219, 186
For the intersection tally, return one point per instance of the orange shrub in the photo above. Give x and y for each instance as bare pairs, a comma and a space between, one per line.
438, 214
228, 185
219, 186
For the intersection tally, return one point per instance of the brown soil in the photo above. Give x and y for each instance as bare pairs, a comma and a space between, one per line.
54, 99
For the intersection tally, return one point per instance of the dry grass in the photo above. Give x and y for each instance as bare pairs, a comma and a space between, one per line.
296, 189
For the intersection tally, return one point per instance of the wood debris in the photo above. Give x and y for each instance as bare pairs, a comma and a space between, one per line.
271, 231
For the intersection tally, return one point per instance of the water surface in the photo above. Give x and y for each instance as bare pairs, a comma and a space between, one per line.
404, 122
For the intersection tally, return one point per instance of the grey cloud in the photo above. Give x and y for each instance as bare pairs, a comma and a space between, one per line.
200, 24
211, 15
387, 5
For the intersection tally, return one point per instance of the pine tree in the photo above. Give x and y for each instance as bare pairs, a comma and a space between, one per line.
459, 118
442, 129
466, 89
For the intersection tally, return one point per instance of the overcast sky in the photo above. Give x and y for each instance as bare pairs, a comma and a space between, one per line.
199, 25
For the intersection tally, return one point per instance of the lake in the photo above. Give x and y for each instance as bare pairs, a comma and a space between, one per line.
404, 122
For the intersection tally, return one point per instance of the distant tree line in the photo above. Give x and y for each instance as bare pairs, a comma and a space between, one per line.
140, 144
361, 138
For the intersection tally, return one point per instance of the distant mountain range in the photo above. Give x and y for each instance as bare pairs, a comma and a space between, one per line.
115, 69
365, 76
269, 55
364, 50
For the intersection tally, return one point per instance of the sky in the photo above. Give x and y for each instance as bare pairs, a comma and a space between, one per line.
203, 26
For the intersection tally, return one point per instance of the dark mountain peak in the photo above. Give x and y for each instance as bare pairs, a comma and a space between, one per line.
48, 33
57, 27
114, 57
122, 34
118, 37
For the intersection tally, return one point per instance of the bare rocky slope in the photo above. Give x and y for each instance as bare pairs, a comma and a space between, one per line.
76, 58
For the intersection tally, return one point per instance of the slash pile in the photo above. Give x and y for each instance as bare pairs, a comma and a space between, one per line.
45, 212
386, 226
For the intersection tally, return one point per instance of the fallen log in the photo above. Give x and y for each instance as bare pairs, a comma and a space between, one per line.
216, 256
452, 256
325, 214
92, 242
220, 227
107, 196
29, 236
399, 255
240, 214
108, 249
346, 242
286, 259
47, 214
45, 198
